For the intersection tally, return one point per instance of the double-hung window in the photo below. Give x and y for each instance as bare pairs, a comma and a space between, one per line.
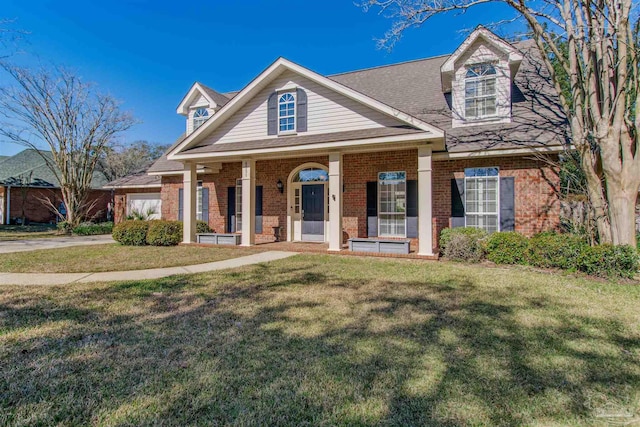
199, 117
286, 112
392, 202
480, 91
482, 198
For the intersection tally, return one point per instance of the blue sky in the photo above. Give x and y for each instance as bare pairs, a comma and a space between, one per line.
148, 53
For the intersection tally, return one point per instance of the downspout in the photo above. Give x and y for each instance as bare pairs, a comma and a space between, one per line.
8, 205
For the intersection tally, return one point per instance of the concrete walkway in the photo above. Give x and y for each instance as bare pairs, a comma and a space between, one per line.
153, 273
52, 243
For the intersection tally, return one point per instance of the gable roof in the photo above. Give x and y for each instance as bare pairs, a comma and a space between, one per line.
216, 99
274, 70
29, 165
136, 180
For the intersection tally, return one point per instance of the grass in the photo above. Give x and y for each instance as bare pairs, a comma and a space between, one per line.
113, 257
321, 340
20, 232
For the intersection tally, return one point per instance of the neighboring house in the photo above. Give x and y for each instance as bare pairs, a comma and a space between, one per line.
395, 152
137, 192
26, 182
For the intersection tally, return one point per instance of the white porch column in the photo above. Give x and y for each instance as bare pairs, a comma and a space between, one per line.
248, 202
335, 201
425, 202
190, 183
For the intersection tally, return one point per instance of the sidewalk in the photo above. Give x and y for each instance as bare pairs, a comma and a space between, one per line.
153, 273
52, 243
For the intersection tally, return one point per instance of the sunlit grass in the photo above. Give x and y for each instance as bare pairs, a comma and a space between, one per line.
320, 340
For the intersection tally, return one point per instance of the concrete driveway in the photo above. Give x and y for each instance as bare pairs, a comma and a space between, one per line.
52, 243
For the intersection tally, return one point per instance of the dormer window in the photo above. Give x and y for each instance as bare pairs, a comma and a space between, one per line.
286, 112
480, 91
199, 117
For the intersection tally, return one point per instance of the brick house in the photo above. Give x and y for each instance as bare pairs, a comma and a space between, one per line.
26, 183
393, 152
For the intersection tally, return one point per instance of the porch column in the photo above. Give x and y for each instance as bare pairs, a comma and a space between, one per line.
335, 201
248, 202
425, 202
190, 183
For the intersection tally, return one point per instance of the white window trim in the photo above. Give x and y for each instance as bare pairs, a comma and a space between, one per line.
295, 115
199, 202
484, 117
196, 122
393, 213
466, 193
238, 202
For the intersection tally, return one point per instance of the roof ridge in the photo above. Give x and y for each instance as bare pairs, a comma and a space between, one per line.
389, 65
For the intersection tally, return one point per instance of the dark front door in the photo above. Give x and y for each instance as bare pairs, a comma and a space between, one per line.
313, 212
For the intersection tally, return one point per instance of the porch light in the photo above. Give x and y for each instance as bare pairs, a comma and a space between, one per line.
280, 186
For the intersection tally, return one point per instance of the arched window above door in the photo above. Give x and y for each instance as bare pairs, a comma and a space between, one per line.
311, 175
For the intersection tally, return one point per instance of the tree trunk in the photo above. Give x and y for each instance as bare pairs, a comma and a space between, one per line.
622, 212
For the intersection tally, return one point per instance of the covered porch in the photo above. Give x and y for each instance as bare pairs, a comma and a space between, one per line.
317, 200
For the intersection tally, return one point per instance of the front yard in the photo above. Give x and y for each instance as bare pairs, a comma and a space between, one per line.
322, 340
20, 232
114, 257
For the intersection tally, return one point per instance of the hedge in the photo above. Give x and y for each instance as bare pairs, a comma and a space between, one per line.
608, 260
554, 250
131, 232
507, 247
463, 244
164, 233
90, 229
202, 227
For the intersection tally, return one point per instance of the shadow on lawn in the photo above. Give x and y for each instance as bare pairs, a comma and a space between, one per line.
298, 344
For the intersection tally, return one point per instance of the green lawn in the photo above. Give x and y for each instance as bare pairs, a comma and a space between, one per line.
113, 257
20, 232
323, 340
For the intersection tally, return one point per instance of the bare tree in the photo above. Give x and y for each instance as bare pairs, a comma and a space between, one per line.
595, 45
55, 109
124, 159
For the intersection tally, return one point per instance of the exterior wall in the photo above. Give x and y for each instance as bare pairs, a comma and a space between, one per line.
536, 204
120, 200
481, 51
327, 112
37, 211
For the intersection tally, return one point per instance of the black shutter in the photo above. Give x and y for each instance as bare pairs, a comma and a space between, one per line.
507, 204
258, 209
231, 210
180, 204
272, 114
457, 198
301, 110
372, 209
205, 205
412, 208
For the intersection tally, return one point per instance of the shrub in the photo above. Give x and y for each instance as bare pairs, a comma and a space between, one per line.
507, 247
608, 260
64, 227
164, 233
463, 244
203, 227
553, 250
131, 233
90, 229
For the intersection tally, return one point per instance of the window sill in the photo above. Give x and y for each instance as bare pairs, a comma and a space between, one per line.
288, 133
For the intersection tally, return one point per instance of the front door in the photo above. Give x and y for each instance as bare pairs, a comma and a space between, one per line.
313, 212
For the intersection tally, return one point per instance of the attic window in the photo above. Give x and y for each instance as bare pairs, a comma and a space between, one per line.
199, 117
480, 91
287, 113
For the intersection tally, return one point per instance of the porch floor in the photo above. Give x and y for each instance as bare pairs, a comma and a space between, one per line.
311, 247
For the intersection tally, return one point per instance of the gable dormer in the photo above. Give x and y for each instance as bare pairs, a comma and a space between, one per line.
479, 75
199, 104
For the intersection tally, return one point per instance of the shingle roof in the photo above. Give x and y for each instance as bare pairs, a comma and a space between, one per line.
139, 179
164, 165
30, 165
414, 87
218, 98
